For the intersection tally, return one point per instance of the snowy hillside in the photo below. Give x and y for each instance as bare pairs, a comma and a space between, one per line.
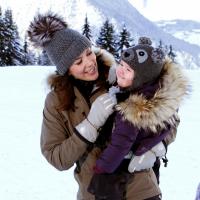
97, 11
26, 175
183, 29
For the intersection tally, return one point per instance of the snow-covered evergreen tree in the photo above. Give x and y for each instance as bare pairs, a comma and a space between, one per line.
29, 56
43, 59
86, 29
163, 46
26, 58
2, 38
107, 38
171, 53
125, 40
12, 52
160, 44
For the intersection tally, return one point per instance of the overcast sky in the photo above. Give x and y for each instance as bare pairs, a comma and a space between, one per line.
156, 10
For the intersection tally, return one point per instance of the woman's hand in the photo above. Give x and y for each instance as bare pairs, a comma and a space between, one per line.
100, 110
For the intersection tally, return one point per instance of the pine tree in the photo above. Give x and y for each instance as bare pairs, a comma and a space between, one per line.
171, 53
2, 38
107, 38
163, 47
12, 51
86, 29
160, 44
26, 59
125, 39
29, 56
43, 59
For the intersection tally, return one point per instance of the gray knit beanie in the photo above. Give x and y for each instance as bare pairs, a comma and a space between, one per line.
62, 44
146, 61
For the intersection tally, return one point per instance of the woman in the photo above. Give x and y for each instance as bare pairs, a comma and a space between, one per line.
152, 89
78, 104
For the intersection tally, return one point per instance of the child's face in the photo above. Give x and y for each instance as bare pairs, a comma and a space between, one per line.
125, 74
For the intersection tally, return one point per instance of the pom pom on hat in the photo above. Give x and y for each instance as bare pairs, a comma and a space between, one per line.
145, 40
43, 28
62, 44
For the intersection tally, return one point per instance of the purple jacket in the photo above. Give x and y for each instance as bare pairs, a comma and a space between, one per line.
126, 137
123, 137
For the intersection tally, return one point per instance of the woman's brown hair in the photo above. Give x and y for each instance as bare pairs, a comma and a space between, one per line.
64, 89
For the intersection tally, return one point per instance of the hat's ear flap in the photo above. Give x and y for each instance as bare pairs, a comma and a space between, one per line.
157, 55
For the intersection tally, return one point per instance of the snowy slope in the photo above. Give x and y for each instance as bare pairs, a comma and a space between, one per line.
97, 11
183, 29
26, 175
139, 25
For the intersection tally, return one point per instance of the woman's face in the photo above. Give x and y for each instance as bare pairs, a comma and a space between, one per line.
85, 66
125, 75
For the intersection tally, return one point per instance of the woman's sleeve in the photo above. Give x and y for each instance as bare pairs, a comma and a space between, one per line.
123, 137
173, 132
59, 147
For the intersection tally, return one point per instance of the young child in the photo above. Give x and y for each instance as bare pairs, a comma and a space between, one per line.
151, 91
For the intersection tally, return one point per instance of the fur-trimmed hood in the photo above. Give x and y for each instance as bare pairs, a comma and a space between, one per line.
154, 113
108, 60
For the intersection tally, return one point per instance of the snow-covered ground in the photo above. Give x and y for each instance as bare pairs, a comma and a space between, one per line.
26, 175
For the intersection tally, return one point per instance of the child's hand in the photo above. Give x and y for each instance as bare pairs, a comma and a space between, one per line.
113, 90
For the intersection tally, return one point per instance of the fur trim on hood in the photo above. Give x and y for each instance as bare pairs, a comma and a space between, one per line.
154, 113
108, 60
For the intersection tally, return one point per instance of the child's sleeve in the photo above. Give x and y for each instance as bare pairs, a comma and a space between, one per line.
123, 137
167, 136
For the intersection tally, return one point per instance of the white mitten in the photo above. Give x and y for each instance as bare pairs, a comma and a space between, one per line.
159, 150
100, 110
147, 160
113, 90
144, 161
